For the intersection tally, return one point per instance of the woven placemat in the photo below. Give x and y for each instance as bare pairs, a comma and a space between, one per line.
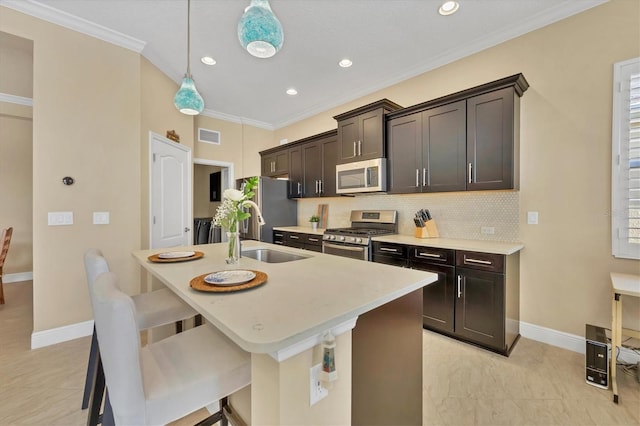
154, 258
198, 283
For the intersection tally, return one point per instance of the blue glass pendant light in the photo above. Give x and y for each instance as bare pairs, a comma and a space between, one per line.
259, 30
187, 99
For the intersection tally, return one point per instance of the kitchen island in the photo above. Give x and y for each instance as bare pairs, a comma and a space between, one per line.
281, 323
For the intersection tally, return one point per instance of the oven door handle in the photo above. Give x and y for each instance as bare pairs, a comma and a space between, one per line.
348, 248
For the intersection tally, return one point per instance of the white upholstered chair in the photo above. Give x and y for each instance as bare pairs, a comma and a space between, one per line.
153, 309
163, 381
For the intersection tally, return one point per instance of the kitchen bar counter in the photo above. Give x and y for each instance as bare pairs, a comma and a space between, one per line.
495, 247
379, 362
300, 300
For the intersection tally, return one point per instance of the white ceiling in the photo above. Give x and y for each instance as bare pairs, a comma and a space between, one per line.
388, 41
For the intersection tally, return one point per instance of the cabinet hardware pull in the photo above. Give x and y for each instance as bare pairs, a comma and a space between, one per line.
320, 186
389, 249
273, 167
481, 262
299, 188
315, 240
417, 178
437, 256
278, 242
459, 291
354, 148
294, 237
470, 174
278, 235
424, 176
360, 148
316, 187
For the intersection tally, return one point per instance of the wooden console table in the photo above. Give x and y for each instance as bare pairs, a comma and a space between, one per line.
628, 285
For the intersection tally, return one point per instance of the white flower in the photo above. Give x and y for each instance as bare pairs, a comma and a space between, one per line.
233, 194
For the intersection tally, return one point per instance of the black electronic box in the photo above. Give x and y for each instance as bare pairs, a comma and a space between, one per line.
597, 357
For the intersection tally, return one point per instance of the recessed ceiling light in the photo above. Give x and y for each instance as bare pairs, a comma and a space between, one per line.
345, 63
448, 8
208, 60
292, 91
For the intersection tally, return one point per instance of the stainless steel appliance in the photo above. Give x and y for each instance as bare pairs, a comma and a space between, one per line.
362, 176
276, 208
355, 242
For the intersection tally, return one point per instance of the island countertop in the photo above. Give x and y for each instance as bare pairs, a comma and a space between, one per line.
300, 300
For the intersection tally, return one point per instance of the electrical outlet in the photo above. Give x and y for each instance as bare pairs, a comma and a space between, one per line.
532, 218
100, 218
489, 230
316, 390
59, 218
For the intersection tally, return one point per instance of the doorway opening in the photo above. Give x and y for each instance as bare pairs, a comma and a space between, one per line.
210, 179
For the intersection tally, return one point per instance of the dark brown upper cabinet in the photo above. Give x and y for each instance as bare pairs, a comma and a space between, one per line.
468, 140
312, 166
361, 132
427, 150
275, 163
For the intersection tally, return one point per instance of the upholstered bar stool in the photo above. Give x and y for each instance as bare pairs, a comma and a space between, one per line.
167, 380
5, 240
153, 309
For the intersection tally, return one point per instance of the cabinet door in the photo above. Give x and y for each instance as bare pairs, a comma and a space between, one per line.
295, 239
438, 297
329, 161
295, 172
490, 140
312, 169
347, 140
444, 148
479, 307
281, 162
370, 142
405, 154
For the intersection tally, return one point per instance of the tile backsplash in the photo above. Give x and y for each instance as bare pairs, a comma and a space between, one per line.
457, 214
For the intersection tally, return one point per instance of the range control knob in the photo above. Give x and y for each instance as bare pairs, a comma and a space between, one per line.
341, 238
331, 237
358, 240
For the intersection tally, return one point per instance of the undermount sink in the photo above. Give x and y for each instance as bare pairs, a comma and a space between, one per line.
272, 256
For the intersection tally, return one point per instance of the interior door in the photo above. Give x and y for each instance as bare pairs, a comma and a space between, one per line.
170, 215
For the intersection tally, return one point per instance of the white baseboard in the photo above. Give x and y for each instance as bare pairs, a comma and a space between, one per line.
52, 336
568, 341
17, 277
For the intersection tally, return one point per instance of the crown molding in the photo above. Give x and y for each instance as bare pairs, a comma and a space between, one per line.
64, 19
18, 100
235, 119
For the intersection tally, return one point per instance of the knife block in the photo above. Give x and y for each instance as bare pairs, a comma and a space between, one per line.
429, 230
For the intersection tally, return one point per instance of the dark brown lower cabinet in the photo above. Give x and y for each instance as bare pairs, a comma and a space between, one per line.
479, 307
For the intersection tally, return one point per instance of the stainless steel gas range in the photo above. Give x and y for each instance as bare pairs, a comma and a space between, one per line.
355, 242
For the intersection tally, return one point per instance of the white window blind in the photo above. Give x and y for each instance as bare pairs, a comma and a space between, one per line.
625, 176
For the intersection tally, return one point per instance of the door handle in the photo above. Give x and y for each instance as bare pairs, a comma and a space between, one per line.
299, 189
360, 148
417, 178
459, 290
354, 148
470, 173
424, 176
389, 249
437, 256
481, 262
187, 229
320, 186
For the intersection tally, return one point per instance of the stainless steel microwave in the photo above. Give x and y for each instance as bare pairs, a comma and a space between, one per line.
362, 176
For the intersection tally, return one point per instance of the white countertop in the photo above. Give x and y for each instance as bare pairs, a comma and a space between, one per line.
301, 229
300, 300
495, 247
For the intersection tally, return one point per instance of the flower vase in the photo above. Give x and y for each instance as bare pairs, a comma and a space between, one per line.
233, 254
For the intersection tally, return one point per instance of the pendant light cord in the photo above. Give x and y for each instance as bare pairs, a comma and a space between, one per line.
189, 38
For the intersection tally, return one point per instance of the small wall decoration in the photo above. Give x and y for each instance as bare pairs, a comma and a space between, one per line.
172, 135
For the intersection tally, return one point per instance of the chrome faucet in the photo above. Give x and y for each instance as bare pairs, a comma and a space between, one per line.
261, 222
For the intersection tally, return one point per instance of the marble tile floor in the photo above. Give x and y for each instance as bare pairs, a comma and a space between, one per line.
463, 385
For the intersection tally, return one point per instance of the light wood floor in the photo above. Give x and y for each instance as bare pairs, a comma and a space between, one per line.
463, 385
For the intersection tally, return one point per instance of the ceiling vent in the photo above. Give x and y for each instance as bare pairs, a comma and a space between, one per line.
208, 136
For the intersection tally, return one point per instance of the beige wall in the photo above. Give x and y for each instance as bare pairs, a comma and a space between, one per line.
158, 114
565, 155
16, 65
86, 125
16, 184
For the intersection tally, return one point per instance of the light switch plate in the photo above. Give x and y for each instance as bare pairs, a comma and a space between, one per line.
59, 218
532, 218
100, 218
